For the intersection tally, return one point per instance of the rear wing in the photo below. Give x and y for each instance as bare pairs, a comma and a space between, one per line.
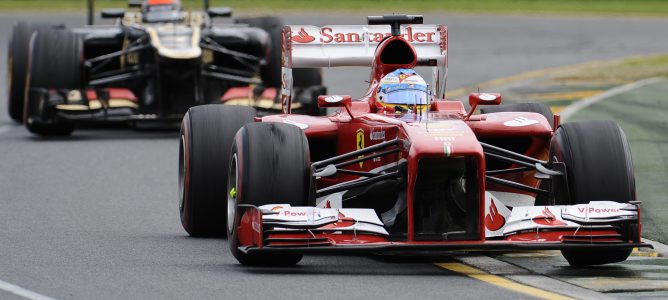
306, 46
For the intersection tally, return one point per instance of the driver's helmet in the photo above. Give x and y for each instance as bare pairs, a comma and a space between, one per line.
403, 89
161, 5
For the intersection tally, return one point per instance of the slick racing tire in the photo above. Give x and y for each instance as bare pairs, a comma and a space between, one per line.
206, 135
598, 165
269, 163
539, 108
271, 73
55, 64
17, 66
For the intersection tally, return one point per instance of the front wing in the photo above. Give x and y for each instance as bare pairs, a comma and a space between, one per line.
281, 228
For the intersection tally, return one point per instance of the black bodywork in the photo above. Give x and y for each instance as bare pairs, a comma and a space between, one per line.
170, 62
123, 56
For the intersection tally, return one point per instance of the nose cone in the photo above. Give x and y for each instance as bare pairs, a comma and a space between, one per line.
444, 138
176, 41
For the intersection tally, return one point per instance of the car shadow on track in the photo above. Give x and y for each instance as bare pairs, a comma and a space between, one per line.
109, 134
367, 265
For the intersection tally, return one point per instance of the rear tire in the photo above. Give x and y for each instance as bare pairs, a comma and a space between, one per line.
271, 74
55, 63
599, 167
269, 163
17, 66
539, 108
207, 133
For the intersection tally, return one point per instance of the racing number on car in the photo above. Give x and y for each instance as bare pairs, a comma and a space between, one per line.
360, 143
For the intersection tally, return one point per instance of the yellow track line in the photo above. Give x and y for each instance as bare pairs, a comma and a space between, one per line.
645, 253
500, 281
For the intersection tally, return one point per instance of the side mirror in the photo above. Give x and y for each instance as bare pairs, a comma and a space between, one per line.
219, 12
344, 101
476, 99
334, 101
484, 99
134, 3
112, 13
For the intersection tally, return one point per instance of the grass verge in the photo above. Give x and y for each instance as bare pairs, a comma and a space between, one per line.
605, 7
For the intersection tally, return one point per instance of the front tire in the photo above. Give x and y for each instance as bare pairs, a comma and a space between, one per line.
55, 63
17, 66
269, 163
599, 167
207, 133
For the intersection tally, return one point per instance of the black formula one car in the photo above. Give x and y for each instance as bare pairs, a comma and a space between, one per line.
151, 65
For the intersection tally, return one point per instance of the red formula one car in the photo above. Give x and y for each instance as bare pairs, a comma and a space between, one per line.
402, 169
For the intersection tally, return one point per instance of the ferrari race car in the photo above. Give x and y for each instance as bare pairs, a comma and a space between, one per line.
402, 169
150, 66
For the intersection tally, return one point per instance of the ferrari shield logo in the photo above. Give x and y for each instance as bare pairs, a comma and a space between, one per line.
360, 143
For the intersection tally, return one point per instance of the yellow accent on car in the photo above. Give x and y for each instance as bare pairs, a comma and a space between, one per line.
360, 144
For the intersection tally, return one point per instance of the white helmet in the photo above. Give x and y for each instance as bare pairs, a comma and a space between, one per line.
402, 87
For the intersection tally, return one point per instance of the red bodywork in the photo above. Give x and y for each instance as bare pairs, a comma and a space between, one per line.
442, 132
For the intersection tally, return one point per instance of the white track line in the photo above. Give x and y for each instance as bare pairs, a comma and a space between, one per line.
578, 105
19, 291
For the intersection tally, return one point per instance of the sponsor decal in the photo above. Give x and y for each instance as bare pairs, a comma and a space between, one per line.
329, 35
444, 138
288, 213
494, 220
277, 208
377, 135
547, 218
286, 89
598, 210
73, 95
520, 121
442, 128
301, 126
487, 97
360, 144
303, 37
285, 100
444, 133
438, 125
333, 99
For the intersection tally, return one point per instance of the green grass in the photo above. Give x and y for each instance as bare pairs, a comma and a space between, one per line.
605, 7
624, 70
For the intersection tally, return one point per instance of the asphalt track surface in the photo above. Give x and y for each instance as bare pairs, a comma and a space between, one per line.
95, 215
